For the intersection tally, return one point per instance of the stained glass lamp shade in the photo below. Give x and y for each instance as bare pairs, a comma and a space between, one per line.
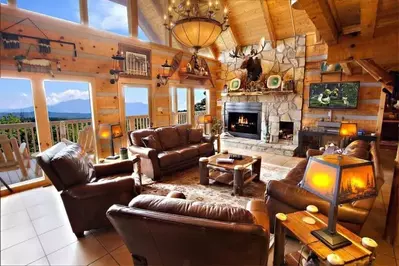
338, 179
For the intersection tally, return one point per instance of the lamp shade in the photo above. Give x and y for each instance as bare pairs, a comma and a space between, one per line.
116, 131
104, 131
339, 178
207, 119
197, 32
348, 129
201, 119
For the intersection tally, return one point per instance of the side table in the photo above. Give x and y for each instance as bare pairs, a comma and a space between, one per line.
355, 254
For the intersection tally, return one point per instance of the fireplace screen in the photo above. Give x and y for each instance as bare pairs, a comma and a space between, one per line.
286, 130
243, 122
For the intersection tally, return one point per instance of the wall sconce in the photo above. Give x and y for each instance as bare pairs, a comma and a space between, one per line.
164, 77
116, 67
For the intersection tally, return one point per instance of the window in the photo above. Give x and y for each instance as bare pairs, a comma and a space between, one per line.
68, 102
136, 108
182, 110
200, 102
142, 36
108, 16
3, 1
66, 9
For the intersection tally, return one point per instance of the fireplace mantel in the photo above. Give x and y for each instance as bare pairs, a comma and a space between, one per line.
254, 93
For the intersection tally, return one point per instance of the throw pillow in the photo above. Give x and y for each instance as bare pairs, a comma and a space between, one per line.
195, 135
73, 166
152, 142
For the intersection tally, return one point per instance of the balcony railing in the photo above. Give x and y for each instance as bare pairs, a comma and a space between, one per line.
27, 132
136, 122
182, 117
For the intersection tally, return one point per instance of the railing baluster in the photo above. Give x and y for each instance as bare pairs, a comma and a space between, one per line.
56, 133
27, 139
33, 138
19, 136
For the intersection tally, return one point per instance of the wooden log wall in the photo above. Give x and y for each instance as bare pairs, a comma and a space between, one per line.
95, 49
366, 114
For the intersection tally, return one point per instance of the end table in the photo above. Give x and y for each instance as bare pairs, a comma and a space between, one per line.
134, 158
355, 254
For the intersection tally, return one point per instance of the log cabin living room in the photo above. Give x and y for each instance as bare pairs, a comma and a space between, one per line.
262, 132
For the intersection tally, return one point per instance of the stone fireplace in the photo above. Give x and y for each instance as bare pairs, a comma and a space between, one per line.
244, 119
279, 114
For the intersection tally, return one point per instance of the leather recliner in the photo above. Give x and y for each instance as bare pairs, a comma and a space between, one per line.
173, 231
288, 196
176, 151
86, 201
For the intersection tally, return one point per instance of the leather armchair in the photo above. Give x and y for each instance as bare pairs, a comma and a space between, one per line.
288, 196
173, 231
86, 202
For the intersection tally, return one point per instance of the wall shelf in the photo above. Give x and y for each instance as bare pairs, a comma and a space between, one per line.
255, 93
199, 78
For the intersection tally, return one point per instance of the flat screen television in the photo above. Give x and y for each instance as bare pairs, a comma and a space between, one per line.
334, 95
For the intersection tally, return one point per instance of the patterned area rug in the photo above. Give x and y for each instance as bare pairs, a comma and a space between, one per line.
188, 182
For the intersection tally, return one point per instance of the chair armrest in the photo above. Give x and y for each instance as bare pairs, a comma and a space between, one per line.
258, 210
313, 152
299, 199
118, 167
100, 189
143, 152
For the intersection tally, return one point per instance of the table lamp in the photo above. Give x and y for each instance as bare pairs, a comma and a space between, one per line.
111, 132
204, 119
346, 131
338, 179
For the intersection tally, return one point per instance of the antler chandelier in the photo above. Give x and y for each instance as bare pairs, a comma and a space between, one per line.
197, 23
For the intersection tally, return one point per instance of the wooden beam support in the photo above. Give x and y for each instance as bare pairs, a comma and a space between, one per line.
346, 68
269, 23
377, 72
334, 12
84, 12
133, 17
320, 14
351, 29
12, 3
368, 17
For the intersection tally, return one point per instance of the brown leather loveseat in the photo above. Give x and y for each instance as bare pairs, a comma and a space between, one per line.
173, 231
287, 196
168, 149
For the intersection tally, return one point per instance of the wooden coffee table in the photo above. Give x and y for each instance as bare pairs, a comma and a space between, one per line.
238, 174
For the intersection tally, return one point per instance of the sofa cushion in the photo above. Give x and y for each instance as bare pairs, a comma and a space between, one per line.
136, 136
219, 212
187, 152
73, 166
195, 135
183, 133
167, 158
359, 149
152, 142
169, 137
203, 148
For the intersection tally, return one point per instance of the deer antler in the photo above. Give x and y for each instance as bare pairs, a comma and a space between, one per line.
256, 52
236, 53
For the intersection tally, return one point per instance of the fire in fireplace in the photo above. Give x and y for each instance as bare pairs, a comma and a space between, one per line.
243, 119
286, 131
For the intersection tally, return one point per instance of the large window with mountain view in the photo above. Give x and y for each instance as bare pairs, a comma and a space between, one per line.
69, 108
67, 9
17, 130
136, 107
200, 103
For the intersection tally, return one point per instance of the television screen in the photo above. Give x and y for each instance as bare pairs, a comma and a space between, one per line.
338, 95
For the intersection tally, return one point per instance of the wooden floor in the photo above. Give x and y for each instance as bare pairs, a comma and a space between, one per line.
15, 176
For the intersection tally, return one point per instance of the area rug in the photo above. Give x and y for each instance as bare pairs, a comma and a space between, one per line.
188, 182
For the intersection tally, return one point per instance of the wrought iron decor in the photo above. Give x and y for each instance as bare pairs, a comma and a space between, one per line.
12, 40
137, 63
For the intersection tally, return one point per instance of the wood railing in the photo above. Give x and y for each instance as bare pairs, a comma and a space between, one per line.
182, 117
135, 122
27, 132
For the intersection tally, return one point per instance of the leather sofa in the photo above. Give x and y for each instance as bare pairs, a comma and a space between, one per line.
176, 150
173, 231
287, 196
87, 197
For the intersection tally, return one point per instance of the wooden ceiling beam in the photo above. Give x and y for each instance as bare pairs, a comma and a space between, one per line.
377, 72
351, 29
320, 14
269, 23
233, 30
334, 12
368, 17
133, 17
84, 12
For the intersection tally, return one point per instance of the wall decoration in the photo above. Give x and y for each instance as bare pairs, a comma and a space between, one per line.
235, 84
116, 66
324, 67
274, 82
196, 69
169, 70
137, 63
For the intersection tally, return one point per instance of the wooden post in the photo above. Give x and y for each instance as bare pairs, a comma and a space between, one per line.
257, 166
238, 180
84, 12
63, 134
279, 243
133, 17
204, 171
12, 3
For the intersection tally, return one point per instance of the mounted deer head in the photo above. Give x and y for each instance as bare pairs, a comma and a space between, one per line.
251, 63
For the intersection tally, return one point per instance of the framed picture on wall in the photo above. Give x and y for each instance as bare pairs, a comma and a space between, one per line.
137, 63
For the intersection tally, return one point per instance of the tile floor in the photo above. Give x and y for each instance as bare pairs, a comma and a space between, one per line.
35, 229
